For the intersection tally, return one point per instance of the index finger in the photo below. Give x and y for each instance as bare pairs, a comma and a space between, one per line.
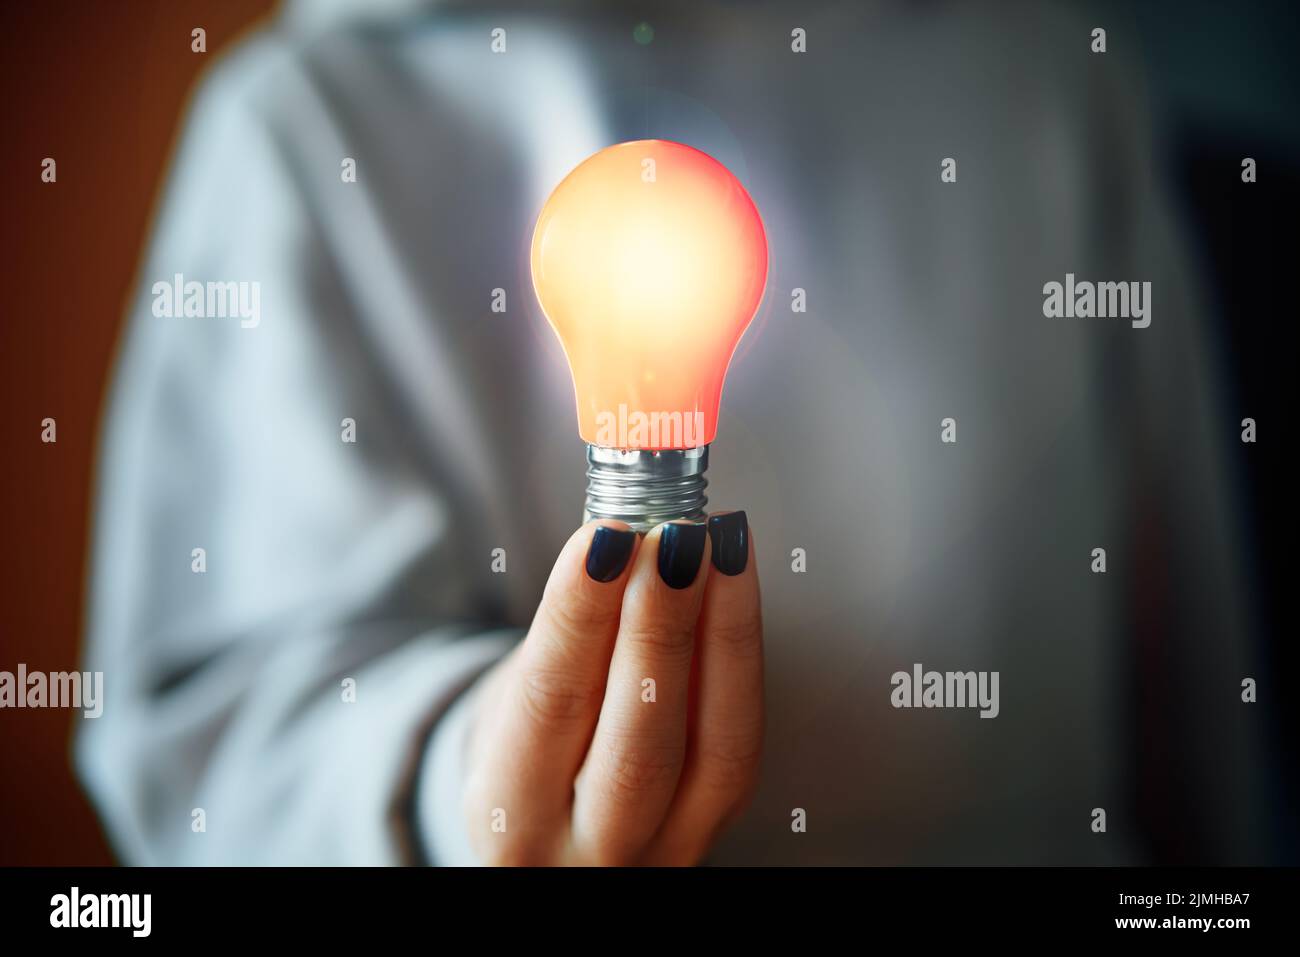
535, 744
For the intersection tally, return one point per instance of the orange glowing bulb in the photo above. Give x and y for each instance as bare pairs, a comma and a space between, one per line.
649, 260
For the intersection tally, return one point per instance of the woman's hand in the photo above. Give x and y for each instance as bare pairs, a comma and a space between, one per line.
627, 727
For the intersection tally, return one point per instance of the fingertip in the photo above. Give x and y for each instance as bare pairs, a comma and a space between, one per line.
683, 547
730, 537
610, 550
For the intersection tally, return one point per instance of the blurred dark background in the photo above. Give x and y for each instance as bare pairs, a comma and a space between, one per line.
102, 88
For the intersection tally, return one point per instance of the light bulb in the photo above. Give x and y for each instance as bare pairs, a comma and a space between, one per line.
649, 261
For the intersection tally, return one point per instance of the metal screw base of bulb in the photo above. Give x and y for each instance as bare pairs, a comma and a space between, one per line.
646, 488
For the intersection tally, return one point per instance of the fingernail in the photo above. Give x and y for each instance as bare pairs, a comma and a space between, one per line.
610, 549
730, 534
681, 547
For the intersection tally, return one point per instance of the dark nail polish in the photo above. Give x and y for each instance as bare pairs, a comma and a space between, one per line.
609, 552
730, 534
681, 548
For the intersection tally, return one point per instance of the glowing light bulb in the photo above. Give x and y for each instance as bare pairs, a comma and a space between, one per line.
649, 260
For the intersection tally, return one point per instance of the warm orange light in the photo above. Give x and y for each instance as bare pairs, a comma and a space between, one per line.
649, 260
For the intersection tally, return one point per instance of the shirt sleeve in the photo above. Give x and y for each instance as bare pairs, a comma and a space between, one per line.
281, 601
